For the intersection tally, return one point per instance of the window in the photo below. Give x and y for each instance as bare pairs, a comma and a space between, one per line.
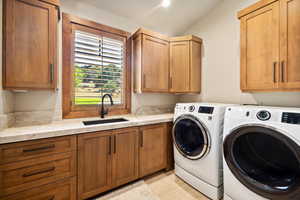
95, 62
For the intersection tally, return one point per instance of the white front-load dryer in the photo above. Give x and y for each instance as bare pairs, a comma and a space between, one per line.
261, 153
197, 137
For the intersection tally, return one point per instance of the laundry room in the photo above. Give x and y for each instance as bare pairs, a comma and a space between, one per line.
150, 100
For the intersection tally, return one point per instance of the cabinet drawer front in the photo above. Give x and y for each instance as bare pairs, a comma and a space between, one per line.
27, 174
61, 190
32, 149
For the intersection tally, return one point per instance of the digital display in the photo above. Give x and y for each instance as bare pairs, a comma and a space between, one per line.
206, 110
290, 118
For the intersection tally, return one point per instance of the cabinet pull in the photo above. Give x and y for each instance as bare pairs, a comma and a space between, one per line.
38, 172
109, 146
52, 146
282, 71
142, 139
115, 144
144, 80
274, 72
171, 82
51, 72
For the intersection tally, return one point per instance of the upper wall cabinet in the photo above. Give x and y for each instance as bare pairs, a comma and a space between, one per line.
185, 64
163, 64
270, 46
151, 61
30, 31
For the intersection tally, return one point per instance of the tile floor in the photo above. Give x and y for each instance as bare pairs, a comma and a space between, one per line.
161, 186
167, 186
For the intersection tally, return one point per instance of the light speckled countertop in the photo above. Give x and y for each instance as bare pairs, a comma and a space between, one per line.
75, 126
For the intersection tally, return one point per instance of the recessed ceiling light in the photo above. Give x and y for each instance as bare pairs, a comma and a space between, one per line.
166, 3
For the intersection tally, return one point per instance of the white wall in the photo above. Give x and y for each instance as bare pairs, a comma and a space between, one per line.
220, 31
51, 101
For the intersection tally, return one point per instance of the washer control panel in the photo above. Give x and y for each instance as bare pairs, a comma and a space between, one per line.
206, 110
263, 115
290, 118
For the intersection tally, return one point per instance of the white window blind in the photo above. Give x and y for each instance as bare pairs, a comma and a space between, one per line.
98, 67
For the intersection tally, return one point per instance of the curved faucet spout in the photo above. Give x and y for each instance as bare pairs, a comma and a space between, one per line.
103, 111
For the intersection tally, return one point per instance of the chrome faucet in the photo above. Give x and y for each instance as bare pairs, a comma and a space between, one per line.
104, 111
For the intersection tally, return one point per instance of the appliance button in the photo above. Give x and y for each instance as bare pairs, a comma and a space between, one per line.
191, 108
263, 115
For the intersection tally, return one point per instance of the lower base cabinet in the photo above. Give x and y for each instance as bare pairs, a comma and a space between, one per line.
153, 149
83, 166
109, 159
94, 163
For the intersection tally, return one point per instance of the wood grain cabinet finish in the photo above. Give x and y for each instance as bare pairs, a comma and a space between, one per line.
151, 61
16, 177
164, 64
30, 36
29, 167
290, 44
185, 64
34, 149
125, 156
61, 190
153, 149
54, 2
106, 160
94, 163
80, 167
270, 46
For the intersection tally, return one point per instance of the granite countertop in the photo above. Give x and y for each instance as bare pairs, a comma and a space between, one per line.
75, 126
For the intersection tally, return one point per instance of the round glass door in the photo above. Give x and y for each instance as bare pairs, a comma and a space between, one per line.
265, 161
190, 137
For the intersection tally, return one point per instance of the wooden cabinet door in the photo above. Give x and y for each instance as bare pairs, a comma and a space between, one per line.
125, 156
30, 31
260, 49
180, 66
195, 59
94, 163
290, 44
153, 149
155, 62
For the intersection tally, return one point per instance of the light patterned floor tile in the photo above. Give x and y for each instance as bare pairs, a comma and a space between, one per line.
161, 186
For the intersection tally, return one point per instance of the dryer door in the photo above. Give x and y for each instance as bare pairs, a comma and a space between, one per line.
265, 161
190, 137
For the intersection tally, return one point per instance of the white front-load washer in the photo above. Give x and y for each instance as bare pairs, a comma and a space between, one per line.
197, 137
261, 153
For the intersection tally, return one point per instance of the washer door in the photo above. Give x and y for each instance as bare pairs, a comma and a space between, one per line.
265, 161
190, 137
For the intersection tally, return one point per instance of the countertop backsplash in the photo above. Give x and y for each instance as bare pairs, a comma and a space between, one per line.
23, 119
153, 110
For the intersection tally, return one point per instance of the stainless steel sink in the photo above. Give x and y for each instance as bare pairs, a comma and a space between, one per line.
104, 121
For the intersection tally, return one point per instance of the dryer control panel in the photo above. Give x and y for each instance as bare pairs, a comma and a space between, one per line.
290, 118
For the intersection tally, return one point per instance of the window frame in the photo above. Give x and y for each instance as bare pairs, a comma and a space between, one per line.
70, 24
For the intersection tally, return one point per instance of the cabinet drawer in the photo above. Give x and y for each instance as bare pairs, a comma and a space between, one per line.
32, 149
61, 190
27, 174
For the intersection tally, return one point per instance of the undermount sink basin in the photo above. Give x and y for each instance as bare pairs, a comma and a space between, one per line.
104, 121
